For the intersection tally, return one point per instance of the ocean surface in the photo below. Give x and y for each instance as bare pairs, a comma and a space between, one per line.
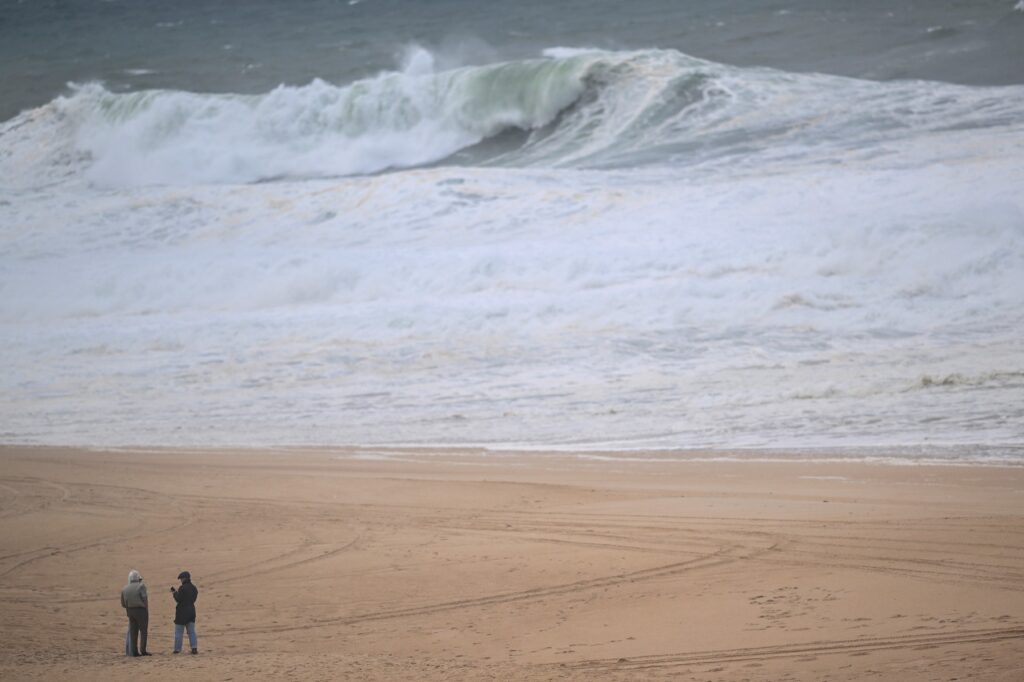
644, 225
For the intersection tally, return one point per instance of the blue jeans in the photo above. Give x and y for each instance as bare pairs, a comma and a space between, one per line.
179, 629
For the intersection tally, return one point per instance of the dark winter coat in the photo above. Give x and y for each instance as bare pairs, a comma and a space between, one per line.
185, 610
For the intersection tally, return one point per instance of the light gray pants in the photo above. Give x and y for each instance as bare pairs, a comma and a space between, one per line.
178, 631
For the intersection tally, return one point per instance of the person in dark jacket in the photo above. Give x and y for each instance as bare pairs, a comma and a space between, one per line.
185, 612
135, 602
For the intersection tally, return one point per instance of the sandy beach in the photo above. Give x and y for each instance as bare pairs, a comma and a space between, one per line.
424, 565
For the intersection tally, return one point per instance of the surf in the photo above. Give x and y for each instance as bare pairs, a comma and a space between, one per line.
395, 120
568, 108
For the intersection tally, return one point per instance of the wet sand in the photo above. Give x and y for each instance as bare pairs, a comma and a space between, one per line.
419, 565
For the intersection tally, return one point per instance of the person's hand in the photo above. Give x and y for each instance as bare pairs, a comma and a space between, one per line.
172, 589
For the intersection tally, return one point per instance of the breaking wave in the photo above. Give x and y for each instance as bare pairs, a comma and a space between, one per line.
569, 108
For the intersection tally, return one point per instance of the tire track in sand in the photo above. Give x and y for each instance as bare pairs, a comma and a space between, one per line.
723, 556
269, 566
795, 650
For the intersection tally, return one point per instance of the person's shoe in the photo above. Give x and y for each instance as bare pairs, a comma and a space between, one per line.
176, 651
145, 653
195, 651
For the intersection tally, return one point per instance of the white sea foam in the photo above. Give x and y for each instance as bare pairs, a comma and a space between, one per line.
612, 109
766, 260
396, 120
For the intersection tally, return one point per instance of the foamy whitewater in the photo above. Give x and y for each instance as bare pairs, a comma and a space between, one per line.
585, 248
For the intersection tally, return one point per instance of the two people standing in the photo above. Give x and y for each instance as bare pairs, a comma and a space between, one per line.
135, 601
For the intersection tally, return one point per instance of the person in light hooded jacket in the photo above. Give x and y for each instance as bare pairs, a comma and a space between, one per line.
135, 602
185, 612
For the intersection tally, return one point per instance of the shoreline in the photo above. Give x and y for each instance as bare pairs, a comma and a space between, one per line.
444, 564
995, 456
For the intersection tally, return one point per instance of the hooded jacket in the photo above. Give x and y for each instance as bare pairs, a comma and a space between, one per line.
185, 609
133, 595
